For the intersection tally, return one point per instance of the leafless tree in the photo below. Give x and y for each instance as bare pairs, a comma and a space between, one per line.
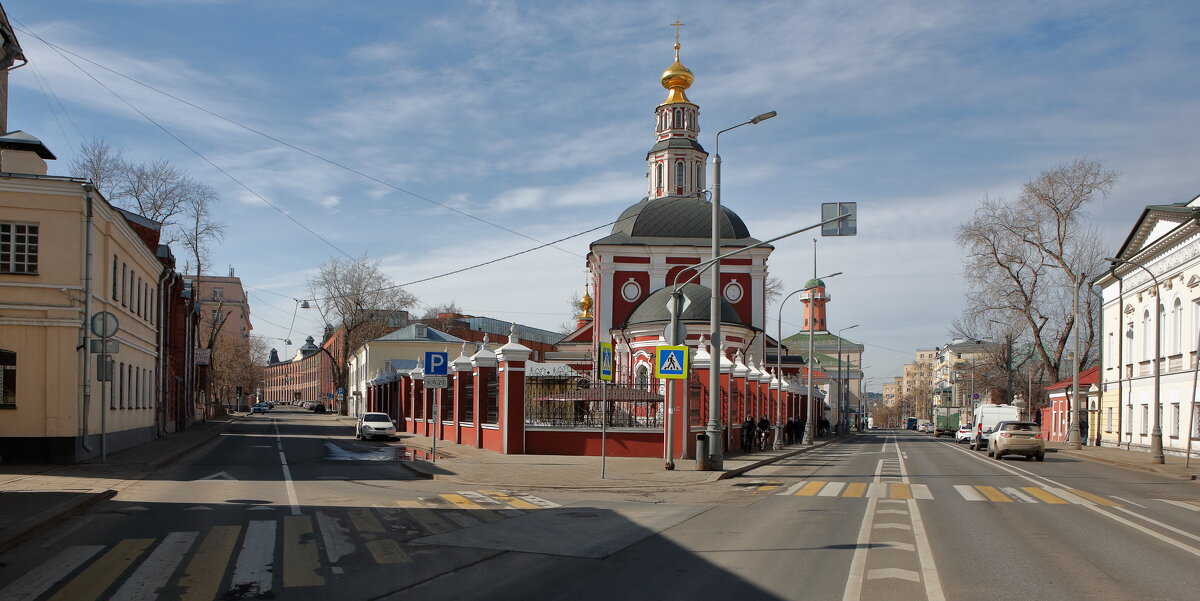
156, 190
198, 230
1027, 259
361, 303
431, 316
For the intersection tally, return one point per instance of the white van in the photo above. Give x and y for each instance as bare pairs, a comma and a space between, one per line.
986, 418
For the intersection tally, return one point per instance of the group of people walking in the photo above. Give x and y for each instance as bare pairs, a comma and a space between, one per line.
758, 435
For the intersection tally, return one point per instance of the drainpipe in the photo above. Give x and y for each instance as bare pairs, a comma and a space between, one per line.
85, 403
160, 421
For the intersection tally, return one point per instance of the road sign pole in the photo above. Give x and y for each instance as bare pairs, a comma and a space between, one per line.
603, 425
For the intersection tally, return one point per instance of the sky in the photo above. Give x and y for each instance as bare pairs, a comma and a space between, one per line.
534, 118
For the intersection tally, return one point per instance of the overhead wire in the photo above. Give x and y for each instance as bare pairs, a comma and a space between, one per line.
299, 149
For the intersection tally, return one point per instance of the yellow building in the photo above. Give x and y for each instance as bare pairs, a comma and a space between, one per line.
66, 254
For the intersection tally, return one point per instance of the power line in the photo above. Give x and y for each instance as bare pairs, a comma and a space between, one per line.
188, 146
314, 155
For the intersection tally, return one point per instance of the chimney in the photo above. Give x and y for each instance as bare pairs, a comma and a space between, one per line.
10, 53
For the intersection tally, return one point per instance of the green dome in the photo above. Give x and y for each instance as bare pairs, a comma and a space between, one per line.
814, 283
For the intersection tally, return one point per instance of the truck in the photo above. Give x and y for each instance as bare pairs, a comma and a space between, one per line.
910, 423
946, 421
986, 418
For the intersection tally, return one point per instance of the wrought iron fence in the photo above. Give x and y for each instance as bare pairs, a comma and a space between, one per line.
567, 403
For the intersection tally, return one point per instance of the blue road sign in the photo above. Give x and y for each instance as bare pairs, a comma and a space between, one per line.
670, 362
437, 364
606, 361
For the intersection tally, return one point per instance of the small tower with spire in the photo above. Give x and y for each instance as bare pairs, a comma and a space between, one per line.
676, 162
814, 300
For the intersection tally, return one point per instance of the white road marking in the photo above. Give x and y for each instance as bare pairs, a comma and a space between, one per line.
39, 580
337, 539
908, 575
1182, 504
877, 489
1159, 524
897, 545
1128, 502
857, 575
1165, 539
538, 501
219, 476
791, 490
884, 525
252, 573
479, 498
921, 491
287, 473
1014, 492
892, 511
1066, 496
832, 489
968, 492
157, 569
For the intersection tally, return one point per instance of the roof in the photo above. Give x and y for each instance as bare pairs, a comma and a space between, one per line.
19, 140
1087, 377
419, 333
820, 337
814, 283
676, 143
676, 220
654, 307
1143, 227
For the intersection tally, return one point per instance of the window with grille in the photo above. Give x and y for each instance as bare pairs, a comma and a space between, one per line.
491, 403
467, 401
8, 379
18, 248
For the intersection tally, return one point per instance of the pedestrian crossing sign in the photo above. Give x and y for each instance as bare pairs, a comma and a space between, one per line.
671, 362
606, 368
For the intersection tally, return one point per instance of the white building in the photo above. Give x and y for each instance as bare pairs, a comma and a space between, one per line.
1166, 241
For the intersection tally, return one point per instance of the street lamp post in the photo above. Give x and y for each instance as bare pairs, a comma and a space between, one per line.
810, 429
716, 456
1156, 447
841, 380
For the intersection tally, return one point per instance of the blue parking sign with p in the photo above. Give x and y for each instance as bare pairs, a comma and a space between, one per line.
437, 364
606, 361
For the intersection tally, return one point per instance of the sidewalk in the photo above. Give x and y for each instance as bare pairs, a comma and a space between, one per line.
35, 497
462, 464
1173, 466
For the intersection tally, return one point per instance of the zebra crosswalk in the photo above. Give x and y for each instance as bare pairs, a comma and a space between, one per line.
968, 492
260, 559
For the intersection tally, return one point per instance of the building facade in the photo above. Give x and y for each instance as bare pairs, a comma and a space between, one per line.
1151, 332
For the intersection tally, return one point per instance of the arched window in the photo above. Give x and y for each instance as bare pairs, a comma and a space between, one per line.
1177, 327
8, 378
642, 378
699, 175
658, 178
679, 176
1162, 329
1147, 337
678, 118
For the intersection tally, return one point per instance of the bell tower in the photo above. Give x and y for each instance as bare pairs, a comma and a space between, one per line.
676, 162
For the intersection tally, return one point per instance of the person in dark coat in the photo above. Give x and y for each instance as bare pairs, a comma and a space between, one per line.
1083, 427
748, 427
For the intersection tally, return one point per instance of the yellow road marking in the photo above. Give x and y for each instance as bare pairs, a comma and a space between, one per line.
300, 561
461, 501
430, 520
900, 491
92, 582
855, 489
509, 499
993, 494
811, 489
768, 487
1043, 496
204, 573
407, 503
1093, 498
386, 550
365, 521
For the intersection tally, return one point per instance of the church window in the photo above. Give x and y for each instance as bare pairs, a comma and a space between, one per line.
658, 178
679, 169
699, 175
678, 117
642, 378
631, 290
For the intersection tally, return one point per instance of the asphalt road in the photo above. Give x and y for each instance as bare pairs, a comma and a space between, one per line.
291, 506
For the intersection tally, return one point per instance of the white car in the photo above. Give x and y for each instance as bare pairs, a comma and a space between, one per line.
964, 433
373, 425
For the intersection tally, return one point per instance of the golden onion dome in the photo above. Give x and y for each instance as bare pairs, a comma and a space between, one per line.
677, 78
585, 306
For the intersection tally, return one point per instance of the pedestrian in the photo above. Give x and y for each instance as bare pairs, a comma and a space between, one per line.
748, 434
800, 429
1083, 427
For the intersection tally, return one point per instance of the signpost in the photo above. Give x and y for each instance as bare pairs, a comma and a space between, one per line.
105, 325
670, 362
606, 376
437, 364
436, 381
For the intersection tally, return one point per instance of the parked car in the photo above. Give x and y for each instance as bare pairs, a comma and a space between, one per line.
987, 417
964, 433
318, 407
259, 408
372, 425
1017, 438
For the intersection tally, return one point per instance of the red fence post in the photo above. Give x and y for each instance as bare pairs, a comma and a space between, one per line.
512, 358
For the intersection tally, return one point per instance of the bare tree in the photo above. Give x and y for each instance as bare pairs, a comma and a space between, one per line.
1029, 258
362, 303
199, 230
156, 190
431, 316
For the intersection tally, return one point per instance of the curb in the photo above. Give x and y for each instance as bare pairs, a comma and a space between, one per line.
31, 526
1126, 465
769, 460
